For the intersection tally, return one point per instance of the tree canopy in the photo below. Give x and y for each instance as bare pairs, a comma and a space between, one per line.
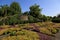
35, 11
11, 14
15, 6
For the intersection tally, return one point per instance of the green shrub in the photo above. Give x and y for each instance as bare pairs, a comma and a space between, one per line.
1, 22
54, 30
56, 20
13, 33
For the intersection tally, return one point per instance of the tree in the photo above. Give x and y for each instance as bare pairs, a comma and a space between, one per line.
3, 10
58, 15
56, 19
26, 13
0, 12
31, 19
35, 11
49, 18
44, 18
15, 6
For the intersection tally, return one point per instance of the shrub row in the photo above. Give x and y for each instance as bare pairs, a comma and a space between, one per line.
56, 20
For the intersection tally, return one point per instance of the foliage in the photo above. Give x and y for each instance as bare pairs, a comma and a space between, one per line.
56, 20
15, 6
35, 11
26, 13
20, 34
49, 30
58, 15
31, 19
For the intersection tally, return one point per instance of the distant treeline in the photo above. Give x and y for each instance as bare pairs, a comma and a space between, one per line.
10, 15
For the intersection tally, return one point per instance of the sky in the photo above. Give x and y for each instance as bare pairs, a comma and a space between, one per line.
49, 7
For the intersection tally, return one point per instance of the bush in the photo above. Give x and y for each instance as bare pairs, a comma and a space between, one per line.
13, 33
56, 20
7, 32
54, 31
1, 22
23, 22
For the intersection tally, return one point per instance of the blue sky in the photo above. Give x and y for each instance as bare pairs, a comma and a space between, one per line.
49, 7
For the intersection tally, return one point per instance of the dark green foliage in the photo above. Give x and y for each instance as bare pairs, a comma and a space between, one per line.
12, 20
3, 10
26, 13
58, 15
44, 18
31, 19
10, 15
13, 33
1, 22
23, 22
35, 11
0, 12
16, 7
5, 33
56, 20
